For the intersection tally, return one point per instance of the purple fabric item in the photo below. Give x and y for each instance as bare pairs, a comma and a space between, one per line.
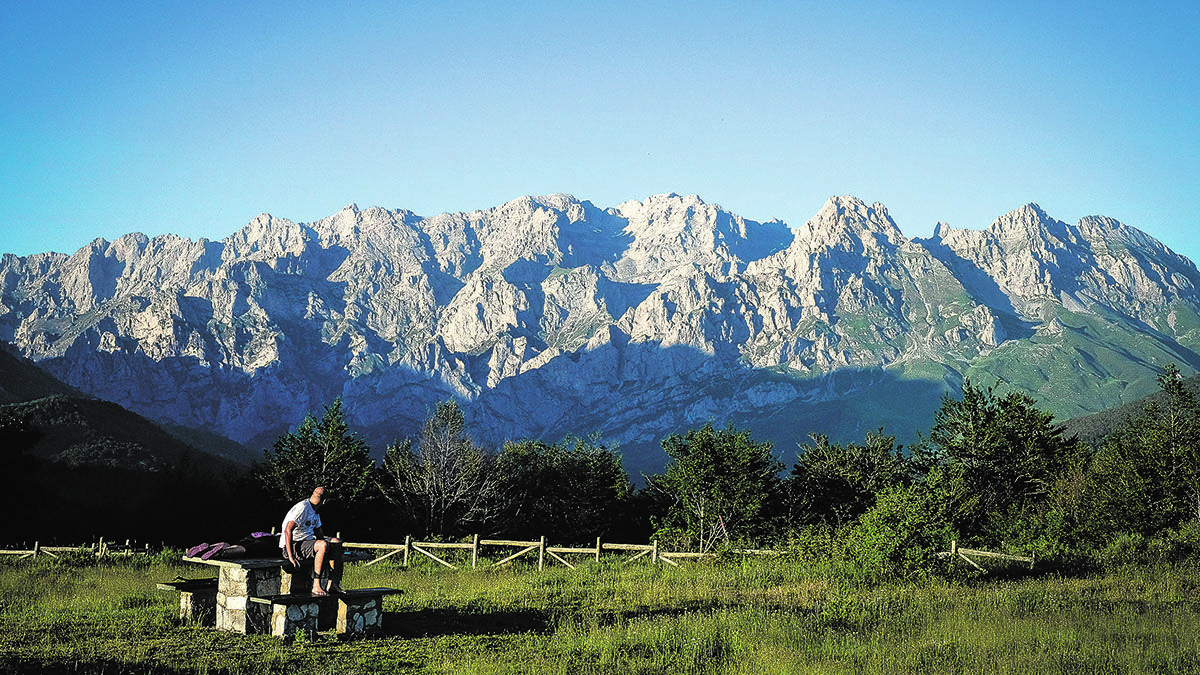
213, 550
196, 550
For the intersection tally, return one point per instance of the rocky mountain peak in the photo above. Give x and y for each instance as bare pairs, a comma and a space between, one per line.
1031, 226
847, 223
267, 238
672, 231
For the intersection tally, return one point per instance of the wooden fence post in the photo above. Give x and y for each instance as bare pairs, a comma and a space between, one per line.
597, 549
953, 547
407, 547
475, 551
654, 551
36, 546
542, 554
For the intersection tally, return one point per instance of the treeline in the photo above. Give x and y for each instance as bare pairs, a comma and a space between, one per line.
993, 472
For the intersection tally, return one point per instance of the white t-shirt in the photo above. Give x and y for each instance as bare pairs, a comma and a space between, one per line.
307, 519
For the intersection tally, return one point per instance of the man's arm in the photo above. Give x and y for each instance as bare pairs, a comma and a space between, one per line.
287, 538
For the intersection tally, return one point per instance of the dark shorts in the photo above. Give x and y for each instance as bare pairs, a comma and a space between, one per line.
306, 550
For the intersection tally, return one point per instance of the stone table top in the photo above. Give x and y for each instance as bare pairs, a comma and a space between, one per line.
246, 563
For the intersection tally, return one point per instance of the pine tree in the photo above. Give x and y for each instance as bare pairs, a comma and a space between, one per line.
1146, 478
319, 452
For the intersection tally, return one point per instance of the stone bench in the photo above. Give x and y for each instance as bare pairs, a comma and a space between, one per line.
359, 612
197, 599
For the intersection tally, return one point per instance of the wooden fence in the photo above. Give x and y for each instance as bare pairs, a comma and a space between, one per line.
554, 554
544, 552
965, 554
101, 549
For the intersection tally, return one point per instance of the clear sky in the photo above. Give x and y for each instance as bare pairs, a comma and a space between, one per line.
193, 117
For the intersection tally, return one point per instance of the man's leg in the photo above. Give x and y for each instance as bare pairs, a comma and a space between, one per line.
319, 556
334, 555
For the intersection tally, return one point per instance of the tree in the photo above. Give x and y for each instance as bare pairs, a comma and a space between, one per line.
995, 460
444, 484
1146, 477
573, 490
319, 452
719, 483
834, 484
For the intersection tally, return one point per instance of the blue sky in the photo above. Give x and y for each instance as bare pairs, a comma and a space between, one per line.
192, 118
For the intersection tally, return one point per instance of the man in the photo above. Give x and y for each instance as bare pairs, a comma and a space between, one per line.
302, 540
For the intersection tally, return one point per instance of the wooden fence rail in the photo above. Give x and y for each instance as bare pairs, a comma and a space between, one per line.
544, 552
964, 553
101, 549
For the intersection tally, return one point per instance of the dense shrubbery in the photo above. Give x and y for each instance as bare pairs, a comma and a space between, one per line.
994, 472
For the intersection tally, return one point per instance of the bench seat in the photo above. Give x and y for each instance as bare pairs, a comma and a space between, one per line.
359, 612
197, 599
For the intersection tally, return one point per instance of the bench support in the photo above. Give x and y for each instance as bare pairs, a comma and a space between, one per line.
197, 600
360, 615
359, 612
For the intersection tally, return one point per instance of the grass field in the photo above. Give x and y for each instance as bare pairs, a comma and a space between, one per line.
752, 616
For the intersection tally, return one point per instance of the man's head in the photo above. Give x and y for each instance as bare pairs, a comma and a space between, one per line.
317, 498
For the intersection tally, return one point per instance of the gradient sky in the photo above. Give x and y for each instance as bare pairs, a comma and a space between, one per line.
192, 118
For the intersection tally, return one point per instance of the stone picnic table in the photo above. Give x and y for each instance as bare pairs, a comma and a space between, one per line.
258, 595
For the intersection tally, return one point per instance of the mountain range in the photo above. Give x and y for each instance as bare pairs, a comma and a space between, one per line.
549, 315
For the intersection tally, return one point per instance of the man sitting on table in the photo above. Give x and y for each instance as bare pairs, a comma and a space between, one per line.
302, 540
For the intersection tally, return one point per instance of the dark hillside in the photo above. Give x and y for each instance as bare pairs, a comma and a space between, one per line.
21, 380
1093, 429
85, 468
214, 444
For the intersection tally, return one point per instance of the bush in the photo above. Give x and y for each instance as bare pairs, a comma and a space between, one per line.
813, 542
1168, 546
1127, 548
898, 536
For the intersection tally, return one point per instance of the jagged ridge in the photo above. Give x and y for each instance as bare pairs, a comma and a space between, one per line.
549, 314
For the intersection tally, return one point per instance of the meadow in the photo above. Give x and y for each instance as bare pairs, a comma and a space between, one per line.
733, 615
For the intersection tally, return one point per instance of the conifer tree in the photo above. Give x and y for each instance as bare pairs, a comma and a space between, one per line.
1146, 478
318, 452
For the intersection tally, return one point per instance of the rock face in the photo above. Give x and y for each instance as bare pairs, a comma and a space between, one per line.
548, 315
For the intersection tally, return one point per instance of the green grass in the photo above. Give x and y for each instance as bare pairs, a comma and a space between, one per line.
756, 616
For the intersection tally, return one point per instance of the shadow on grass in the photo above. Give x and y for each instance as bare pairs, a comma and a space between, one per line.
454, 621
450, 621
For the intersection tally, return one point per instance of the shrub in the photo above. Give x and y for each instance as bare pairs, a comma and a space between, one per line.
1127, 548
898, 536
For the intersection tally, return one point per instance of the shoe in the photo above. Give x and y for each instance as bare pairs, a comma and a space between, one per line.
213, 550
